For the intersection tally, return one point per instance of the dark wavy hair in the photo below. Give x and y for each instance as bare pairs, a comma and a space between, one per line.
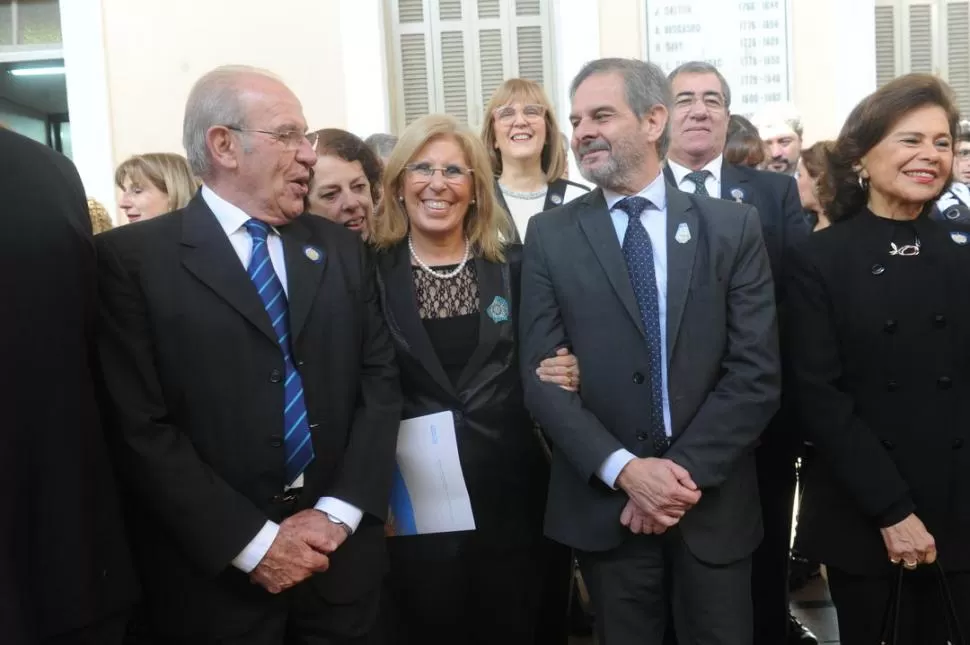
840, 193
349, 147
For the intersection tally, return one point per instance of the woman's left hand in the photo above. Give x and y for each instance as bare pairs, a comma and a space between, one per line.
562, 370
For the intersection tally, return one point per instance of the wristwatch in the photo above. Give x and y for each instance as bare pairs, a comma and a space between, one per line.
339, 523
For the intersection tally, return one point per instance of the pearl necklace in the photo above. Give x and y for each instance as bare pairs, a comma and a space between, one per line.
437, 274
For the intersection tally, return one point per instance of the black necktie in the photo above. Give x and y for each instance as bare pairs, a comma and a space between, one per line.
699, 179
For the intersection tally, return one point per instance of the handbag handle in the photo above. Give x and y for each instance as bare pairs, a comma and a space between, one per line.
890, 627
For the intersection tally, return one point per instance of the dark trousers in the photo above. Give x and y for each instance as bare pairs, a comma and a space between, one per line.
770, 564
861, 603
453, 588
710, 604
110, 631
552, 625
299, 617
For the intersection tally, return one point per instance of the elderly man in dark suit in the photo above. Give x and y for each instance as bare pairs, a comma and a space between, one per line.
66, 575
253, 388
695, 164
667, 300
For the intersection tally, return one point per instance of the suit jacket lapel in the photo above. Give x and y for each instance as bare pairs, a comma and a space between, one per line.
595, 220
493, 285
680, 260
305, 263
669, 176
208, 255
734, 185
401, 312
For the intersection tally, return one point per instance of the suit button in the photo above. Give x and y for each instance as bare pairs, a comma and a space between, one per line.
889, 327
275, 376
299, 363
957, 444
888, 445
944, 383
892, 386
642, 436
939, 321
276, 440
878, 269
638, 378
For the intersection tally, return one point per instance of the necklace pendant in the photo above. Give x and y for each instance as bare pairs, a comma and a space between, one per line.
907, 250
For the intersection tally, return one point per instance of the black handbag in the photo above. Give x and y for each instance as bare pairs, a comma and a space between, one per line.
890, 629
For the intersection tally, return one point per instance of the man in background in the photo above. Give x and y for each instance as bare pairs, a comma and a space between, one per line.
780, 126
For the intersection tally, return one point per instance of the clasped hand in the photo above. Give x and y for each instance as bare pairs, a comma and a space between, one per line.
908, 542
301, 548
660, 493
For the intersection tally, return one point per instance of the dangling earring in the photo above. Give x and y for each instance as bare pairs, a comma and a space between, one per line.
863, 183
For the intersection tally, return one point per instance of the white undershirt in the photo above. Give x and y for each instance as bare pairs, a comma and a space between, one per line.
522, 210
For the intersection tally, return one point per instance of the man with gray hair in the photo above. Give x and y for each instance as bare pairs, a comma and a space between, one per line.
696, 165
667, 300
780, 127
253, 391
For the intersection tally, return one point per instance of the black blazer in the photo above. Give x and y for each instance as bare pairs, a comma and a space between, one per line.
64, 560
724, 372
880, 346
500, 453
192, 366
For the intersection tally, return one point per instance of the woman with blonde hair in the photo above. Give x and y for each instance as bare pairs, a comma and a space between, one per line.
522, 137
153, 184
100, 219
449, 288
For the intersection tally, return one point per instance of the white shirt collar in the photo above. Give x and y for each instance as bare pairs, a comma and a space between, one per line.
680, 172
230, 217
655, 193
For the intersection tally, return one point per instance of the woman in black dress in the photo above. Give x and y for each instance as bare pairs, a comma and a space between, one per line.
450, 288
879, 335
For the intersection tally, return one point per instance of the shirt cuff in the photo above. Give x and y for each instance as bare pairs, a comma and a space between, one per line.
612, 466
256, 550
349, 514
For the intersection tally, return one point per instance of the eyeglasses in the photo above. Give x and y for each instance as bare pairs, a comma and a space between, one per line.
710, 101
291, 139
507, 113
963, 154
452, 173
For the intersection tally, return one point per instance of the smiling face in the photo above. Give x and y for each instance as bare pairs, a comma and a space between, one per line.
341, 192
911, 164
437, 205
520, 130
700, 119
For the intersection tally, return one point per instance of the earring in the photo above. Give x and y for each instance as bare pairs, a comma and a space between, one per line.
400, 198
472, 202
863, 183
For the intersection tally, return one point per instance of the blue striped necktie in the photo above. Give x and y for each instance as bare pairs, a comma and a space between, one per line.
638, 252
297, 446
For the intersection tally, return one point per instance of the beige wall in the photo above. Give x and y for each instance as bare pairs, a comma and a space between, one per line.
621, 28
154, 51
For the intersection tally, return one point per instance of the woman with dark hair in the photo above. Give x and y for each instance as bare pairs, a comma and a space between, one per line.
346, 182
744, 145
810, 167
879, 338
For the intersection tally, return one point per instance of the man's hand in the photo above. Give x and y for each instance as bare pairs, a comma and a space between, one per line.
294, 556
327, 536
639, 522
909, 543
661, 489
562, 370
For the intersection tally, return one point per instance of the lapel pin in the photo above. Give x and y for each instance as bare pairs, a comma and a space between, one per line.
555, 199
683, 233
737, 194
959, 238
498, 311
313, 254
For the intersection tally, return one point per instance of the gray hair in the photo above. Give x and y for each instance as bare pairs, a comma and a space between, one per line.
700, 67
215, 99
644, 83
381, 144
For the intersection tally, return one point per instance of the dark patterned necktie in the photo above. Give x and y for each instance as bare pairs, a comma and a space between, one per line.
297, 446
699, 179
638, 252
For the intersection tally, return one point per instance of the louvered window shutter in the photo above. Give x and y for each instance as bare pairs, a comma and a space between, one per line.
530, 45
493, 54
920, 38
414, 61
886, 30
958, 51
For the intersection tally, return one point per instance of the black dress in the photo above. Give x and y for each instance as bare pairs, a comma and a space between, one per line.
457, 351
880, 343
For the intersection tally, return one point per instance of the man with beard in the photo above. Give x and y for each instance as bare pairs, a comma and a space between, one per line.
780, 128
695, 164
667, 300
